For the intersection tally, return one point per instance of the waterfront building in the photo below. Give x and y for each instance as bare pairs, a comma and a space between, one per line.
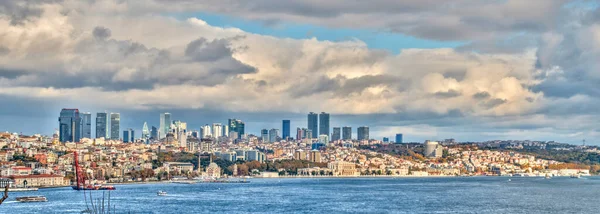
115, 121
363, 133
213, 170
313, 124
165, 124
42, 180
102, 125
347, 133
86, 125
336, 135
342, 168
324, 124
69, 124
286, 129
398, 138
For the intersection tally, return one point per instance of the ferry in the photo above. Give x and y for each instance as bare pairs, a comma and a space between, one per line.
32, 199
161, 193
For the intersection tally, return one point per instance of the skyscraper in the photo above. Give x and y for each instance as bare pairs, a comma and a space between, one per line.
336, 134
324, 124
398, 138
347, 133
145, 131
264, 135
273, 135
86, 125
115, 122
128, 136
363, 133
225, 131
300, 133
217, 130
165, 124
102, 125
154, 133
69, 124
285, 129
206, 132
236, 125
313, 124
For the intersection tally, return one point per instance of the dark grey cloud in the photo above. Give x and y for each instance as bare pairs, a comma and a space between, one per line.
4, 50
481, 95
447, 94
492, 103
202, 50
101, 32
9, 73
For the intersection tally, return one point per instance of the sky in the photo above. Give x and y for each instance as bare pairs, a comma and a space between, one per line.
472, 70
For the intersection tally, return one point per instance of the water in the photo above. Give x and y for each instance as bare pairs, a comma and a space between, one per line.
339, 195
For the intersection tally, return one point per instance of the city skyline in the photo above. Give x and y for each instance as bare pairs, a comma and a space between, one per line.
477, 71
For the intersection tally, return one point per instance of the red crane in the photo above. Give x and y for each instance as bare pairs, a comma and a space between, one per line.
80, 178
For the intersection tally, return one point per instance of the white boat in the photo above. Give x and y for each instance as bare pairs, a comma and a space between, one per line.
32, 199
547, 176
575, 176
161, 193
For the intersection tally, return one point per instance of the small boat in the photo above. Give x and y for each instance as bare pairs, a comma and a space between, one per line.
575, 176
509, 180
547, 176
161, 193
32, 199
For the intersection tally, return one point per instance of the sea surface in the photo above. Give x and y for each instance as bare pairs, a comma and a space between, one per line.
336, 195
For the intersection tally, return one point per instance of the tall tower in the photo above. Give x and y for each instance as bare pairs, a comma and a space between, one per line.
115, 123
324, 124
145, 131
347, 133
286, 129
336, 135
102, 125
69, 124
363, 133
313, 124
86, 125
165, 124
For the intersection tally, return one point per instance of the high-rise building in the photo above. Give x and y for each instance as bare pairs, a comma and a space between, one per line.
86, 125
102, 125
324, 123
115, 122
69, 124
308, 134
145, 131
286, 129
236, 125
225, 131
398, 138
363, 133
313, 124
128, 136
300, 133
206, 131
347, 133
217, 129
154, 133
273, 135
165, 124
264, 135
336, 135
386, 140
315, 156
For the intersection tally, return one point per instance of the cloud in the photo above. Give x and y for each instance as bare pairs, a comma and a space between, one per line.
121, 55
